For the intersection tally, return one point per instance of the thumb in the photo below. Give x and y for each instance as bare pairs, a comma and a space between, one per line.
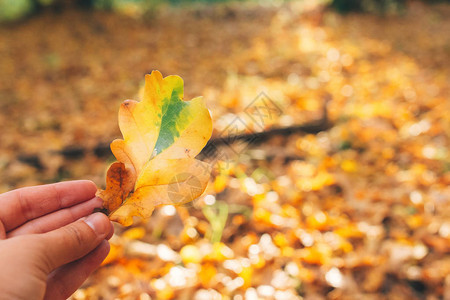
74, 241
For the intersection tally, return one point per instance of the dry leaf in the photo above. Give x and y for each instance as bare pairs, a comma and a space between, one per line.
156, 165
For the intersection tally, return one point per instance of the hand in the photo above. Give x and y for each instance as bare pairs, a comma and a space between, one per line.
46, 251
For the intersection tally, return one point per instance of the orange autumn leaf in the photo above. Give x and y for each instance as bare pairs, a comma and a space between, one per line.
156, 164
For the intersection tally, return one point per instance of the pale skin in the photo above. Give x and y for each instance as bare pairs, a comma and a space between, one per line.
50, 241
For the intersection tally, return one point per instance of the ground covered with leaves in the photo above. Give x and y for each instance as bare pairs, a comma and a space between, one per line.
357, 211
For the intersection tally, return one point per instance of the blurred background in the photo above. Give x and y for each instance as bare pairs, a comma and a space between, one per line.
338, 185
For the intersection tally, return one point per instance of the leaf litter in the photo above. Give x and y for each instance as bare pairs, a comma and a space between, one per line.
358, 211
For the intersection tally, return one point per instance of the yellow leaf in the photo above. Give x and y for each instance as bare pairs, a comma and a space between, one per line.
156, 165
190, 254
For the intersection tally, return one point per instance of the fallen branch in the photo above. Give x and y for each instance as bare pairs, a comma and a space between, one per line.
102, 150
313, 127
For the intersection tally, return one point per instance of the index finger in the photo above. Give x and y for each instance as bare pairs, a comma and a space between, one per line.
25, 204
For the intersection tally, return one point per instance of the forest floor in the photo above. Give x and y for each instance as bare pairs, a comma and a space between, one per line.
358, 211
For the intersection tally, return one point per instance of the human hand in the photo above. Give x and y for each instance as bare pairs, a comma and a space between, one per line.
46, 252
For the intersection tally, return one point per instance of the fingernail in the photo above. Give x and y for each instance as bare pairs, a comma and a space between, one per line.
96, 222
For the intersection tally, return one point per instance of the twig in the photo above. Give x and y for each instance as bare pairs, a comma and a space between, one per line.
102, 150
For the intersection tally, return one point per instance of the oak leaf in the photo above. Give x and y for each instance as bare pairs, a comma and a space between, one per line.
156, 164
